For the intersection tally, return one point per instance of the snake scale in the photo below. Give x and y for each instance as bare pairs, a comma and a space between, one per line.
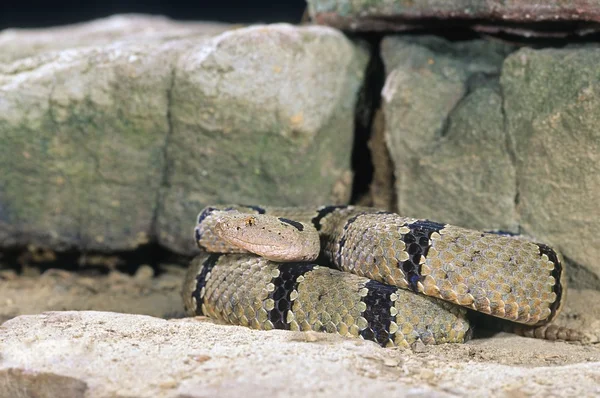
379, 276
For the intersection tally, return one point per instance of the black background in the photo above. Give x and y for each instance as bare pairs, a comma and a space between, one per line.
31, 14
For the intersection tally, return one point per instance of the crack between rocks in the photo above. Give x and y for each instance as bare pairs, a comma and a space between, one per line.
446, 123
470, 87
367, 104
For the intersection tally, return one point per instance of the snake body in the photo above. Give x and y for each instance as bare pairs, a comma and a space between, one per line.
390, 279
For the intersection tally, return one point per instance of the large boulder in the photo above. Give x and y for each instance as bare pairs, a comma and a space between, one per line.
552, 107
120, 136
488, 138
260, 115
445, 133
100, 354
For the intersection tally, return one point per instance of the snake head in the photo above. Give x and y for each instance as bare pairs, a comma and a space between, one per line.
277, 239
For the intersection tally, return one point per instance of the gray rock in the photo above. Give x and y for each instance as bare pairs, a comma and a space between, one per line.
107, 354
120, 137
260, 115
24, 384
445, 131
83, 135
497, 144
552, 102
517, 16
23, 43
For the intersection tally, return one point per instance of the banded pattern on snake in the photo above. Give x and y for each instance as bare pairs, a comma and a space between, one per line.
387, 278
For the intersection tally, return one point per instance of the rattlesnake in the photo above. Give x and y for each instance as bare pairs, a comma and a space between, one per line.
390, 279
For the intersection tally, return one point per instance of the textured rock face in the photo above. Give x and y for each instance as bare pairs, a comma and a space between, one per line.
445, 132
401, 14
260, 115
99, 354
129, 126
497, 144
552, 102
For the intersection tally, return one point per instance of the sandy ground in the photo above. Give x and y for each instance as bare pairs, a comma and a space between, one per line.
59, 290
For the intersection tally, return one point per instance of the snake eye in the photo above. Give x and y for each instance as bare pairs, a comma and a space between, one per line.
250, 221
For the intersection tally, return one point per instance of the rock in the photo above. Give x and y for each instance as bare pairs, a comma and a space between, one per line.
260, 115
107, 353
445, 132
552, 103
119, 134
526, 17
25, 384
22, 43
490, 143
496, 144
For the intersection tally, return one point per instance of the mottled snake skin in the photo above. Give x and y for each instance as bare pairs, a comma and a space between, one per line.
386, 259
251, 291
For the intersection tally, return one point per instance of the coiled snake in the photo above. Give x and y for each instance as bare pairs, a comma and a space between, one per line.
382, 277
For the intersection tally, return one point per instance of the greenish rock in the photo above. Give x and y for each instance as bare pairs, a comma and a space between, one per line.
490, 138
110, 146
83, 138
445, 131
552, 102
261, 115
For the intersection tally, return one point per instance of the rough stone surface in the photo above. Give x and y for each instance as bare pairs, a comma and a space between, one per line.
552, 103
444, 130
107, 354
496, 144
529, 17
261, 115
116, 130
